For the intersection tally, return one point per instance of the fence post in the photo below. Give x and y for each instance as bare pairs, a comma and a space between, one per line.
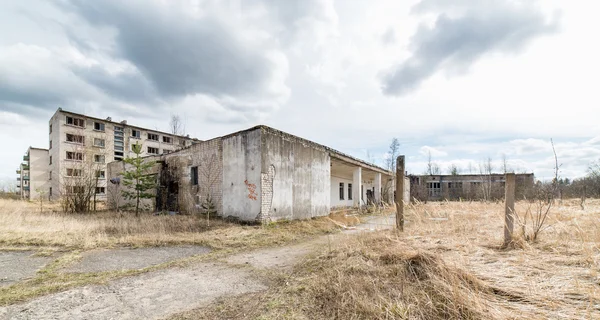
400, 193
509, 207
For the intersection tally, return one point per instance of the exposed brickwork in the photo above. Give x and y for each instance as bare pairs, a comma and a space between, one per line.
266, 194
208, 158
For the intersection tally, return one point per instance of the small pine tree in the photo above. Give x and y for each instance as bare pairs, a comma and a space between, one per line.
138, 178
209, 208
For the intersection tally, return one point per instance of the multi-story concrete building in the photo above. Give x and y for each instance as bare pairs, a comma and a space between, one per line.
32, 181
468, 186
80, 146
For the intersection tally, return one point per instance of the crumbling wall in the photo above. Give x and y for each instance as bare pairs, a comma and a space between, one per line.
177, 171
115, 187
242, 179
300, 173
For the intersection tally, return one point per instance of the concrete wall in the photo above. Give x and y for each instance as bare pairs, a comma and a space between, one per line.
242, 175
38, 173
335, 192
208, 158
114, 193
300, 173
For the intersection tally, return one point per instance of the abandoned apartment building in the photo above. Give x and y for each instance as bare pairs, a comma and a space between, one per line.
466, 187
257, 174
80, 145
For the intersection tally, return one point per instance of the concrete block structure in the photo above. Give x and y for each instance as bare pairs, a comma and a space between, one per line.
32, 180
468, 187
260, 174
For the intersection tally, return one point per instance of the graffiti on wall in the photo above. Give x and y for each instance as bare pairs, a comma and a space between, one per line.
251, 190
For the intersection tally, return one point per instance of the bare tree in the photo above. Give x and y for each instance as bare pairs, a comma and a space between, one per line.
176, 125
485, 172
392, 155
542, 196
433, 169
453, 169
81, 172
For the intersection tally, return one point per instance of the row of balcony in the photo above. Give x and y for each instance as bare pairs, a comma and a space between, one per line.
25, 178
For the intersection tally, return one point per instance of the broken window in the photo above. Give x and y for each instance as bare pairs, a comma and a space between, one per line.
101, 174
50, 160
167, 139
75, 138
434, 189
50, 144
100, 190
98, 158
152, 136
75, 189
136, 133
99, 126
73, 172
50, 192
341, 191
76, 122
349, 191
76, 156
51, 128
194, 176
182, 142
152, 150
99, 142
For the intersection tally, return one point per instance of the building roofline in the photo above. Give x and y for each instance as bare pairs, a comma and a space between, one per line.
34, 148
467, 175
332, 152
123, 124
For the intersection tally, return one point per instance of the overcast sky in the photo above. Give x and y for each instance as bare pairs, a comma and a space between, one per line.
461, 80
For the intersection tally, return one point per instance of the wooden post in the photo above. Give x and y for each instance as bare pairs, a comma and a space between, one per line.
400, 193
509, 207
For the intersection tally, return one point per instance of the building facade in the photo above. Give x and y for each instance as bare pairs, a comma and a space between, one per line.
32, 180
467, 187
79, 147
259, 174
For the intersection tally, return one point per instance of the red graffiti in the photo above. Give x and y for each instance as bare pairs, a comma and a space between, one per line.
251, 190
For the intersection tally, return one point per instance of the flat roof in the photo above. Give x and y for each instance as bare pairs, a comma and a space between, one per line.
124, 124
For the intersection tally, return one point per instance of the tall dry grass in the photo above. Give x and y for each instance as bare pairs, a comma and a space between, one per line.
448, 264
23, 224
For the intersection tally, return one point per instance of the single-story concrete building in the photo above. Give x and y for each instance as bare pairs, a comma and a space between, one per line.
261, 174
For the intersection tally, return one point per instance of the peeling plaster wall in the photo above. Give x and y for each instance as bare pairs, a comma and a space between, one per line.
207, 156
242, 175
301, 179
114, 195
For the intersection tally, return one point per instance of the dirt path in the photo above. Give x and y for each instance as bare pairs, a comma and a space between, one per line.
158, 294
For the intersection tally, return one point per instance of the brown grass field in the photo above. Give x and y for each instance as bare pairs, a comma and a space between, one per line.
448, 264
441, 269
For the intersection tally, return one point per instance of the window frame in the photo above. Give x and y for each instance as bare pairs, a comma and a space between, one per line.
149, 152
75, 156
349, 191
341, 191
194, 175
75, 122
101, 125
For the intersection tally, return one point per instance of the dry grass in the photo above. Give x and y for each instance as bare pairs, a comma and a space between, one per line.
65, 236
22, 224
447, 265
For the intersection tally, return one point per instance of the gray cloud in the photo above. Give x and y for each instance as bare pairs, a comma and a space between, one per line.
463, 32
179, 54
